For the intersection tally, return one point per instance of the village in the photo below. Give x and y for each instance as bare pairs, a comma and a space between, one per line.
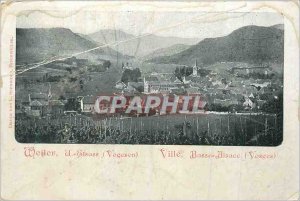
235, 89
241, 104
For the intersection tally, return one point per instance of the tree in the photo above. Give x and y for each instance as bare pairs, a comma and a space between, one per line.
106, 64
140, 89
69, 70
131, 75
61, 97
72, 104
274, 104
81, 84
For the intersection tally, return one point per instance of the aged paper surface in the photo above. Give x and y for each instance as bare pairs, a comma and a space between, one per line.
84, 113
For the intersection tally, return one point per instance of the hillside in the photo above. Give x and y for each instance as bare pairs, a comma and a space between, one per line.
168, 51
278, 26
35, 45
251, 44
135, 45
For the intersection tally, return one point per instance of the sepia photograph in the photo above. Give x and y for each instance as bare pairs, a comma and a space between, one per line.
164, 79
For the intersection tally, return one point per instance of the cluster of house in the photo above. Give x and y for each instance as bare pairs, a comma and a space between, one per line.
250, 93
242, 70
42, 104
157, 83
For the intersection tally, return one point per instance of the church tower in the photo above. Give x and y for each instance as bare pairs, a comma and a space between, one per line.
146, 86
195, 69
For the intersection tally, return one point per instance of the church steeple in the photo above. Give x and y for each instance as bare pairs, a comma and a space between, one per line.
195, 69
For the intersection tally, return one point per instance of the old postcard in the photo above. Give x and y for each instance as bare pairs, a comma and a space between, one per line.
149, 100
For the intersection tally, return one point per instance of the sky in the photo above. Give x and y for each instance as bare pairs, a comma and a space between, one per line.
177, 24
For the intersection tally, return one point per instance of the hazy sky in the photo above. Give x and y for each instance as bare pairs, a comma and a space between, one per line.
179, 24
